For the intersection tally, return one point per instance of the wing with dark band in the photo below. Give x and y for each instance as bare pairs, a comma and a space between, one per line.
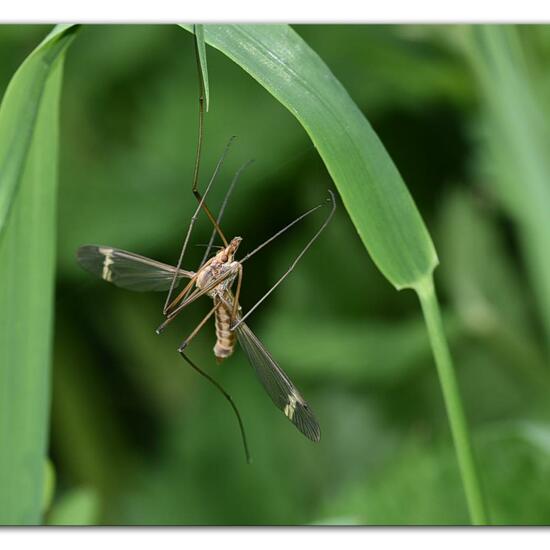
126, 269
278, 385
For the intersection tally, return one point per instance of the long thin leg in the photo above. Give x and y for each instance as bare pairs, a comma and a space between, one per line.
292, 266
218, 220
229, 398
237, 294
192, 223
195, 185
279, 233
181, 295
196, 173
197, 293
196, 330
170, 315
222, 210
204, 206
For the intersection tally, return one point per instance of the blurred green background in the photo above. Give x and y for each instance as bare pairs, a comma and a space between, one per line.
138, 438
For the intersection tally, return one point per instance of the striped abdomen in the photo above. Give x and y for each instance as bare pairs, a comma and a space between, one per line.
225, 343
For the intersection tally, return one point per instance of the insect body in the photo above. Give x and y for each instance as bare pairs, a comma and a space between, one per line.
214, 279
225, 343
217, 268
220, 265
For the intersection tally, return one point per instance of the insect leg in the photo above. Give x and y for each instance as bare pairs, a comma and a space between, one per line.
292, 266
196, 330
182, 294
197, 293
191, 224
222, 210
207, 211
228, 397
194, 187
281, 231
235, 307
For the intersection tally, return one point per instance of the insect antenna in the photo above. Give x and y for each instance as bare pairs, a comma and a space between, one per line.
228, 397
296, 260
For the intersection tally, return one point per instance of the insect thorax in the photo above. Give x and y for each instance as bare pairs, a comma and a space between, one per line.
213, 271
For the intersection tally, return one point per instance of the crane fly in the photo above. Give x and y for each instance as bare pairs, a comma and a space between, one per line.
215, 277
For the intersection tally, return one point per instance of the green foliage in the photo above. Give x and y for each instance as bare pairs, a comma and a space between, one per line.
28, 185
383, 352
20, 110
516, 151
136, 438
510, 456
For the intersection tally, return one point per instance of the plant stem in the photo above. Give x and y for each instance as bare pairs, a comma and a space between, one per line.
453, 403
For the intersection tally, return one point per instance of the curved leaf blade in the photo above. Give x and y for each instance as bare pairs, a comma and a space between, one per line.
369, 183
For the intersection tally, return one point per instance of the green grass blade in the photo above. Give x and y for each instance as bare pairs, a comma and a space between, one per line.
19, 112
370, 185
199, 34
27, 260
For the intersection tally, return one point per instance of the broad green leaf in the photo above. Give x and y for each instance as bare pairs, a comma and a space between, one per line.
28, 132
199, 37
371, 187
20, 107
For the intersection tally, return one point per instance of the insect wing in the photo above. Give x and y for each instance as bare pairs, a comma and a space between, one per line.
278, 385
126, 269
